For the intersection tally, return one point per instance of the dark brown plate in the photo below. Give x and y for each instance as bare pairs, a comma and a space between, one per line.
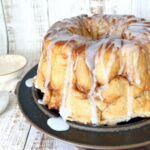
125, 135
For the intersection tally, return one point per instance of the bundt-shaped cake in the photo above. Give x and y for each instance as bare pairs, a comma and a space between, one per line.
96, 70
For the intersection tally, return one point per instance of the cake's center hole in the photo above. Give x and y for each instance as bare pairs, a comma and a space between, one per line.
93, 29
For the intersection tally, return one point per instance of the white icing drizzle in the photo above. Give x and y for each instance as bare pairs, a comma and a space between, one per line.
91, 52
106, 70
58, 124
125, 53
64, 110
39, 66
129, 65
122, 63
29, 82
70, 83
139, 32
94, 117
130, 101
49, 65
36, 84
76, 62
135, 64
99, 94
40, 101
103, 50
100, 89
110, 63
131, 53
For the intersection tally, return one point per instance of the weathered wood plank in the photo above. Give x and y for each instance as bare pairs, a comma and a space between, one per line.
27, 22
13, 127
59, 10
38, 140
3, 32
117, 7
141, 8
138, 8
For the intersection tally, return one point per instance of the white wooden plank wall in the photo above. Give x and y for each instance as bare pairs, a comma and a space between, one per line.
23, 24
26, 22
66, 8
3, 32
140, 8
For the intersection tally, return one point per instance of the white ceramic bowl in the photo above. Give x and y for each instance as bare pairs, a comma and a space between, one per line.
11, 67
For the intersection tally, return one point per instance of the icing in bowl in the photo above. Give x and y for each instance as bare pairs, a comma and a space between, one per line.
11, 66
11, 63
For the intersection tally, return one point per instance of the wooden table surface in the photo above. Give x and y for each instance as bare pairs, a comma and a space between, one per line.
16, 133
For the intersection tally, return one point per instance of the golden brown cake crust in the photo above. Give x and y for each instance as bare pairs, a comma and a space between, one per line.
97, 69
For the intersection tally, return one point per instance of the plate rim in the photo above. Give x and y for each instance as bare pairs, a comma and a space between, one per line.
99, 128
67, 141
